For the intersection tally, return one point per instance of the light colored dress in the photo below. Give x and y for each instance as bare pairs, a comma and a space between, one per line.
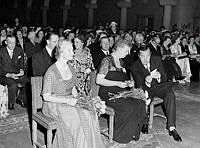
76, 127
183, 63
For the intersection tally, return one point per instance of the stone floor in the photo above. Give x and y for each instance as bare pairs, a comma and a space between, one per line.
188, 123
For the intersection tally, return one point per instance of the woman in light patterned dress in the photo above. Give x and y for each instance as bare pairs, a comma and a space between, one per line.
83, 64
76, 127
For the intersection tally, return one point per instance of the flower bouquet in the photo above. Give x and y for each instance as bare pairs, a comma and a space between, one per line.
93, 104
136, 93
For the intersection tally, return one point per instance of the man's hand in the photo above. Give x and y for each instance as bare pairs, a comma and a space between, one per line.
156, 74
148, 79
12, 75
21, 73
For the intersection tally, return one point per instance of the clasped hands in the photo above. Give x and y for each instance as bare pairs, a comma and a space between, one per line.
15, 76
154, 74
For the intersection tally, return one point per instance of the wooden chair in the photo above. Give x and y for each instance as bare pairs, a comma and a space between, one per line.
109, 111
38, 117
155, 102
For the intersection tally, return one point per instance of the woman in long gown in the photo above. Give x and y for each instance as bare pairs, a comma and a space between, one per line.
76, 127
130, 113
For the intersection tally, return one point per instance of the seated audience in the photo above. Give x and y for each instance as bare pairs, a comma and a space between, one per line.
130, 113
149, 74
76, 127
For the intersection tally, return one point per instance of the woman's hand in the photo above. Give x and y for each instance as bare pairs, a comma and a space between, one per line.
88, 70
72, 102
74, 92
122, 84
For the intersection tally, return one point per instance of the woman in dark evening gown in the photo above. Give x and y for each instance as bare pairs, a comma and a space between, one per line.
130, 113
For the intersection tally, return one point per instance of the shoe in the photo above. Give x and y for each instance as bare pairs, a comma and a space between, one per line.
144, 129
179, 78
11, 106
175, 135
21, 103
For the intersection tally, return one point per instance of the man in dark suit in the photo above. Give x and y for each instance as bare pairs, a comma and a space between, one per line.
11, 69
43, 59
154, 46
149, 74
99, 54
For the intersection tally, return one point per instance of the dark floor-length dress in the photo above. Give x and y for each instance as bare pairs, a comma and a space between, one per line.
130, 113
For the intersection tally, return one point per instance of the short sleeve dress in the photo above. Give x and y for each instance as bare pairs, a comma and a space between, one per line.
76, 127
130, 113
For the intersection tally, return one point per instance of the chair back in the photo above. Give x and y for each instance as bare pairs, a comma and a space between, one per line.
36, 87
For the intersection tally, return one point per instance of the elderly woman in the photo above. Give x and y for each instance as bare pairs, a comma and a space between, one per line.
129, 112
76, 127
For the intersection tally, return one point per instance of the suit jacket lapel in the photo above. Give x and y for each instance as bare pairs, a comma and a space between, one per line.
7, 56
47, 56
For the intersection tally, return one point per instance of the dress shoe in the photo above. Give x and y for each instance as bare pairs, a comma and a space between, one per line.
21, 103
144, 129
175, 135
179, 78
11, 106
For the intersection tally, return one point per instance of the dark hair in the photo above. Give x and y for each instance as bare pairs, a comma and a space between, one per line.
174, 38
82, 37
37, 34
49, 34
184, 37
191, 37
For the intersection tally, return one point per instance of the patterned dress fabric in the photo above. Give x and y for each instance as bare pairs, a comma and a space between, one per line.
82, 61
77, 128
130, 113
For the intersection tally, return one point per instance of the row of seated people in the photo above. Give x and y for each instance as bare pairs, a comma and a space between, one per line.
59, 101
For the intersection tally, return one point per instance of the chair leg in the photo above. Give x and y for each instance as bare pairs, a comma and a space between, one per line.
49, 138
151, 116
34, 133
111, 126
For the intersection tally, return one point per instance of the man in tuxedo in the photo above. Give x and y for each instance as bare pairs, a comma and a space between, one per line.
99, 54
45, 58
11, 69
149, 74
